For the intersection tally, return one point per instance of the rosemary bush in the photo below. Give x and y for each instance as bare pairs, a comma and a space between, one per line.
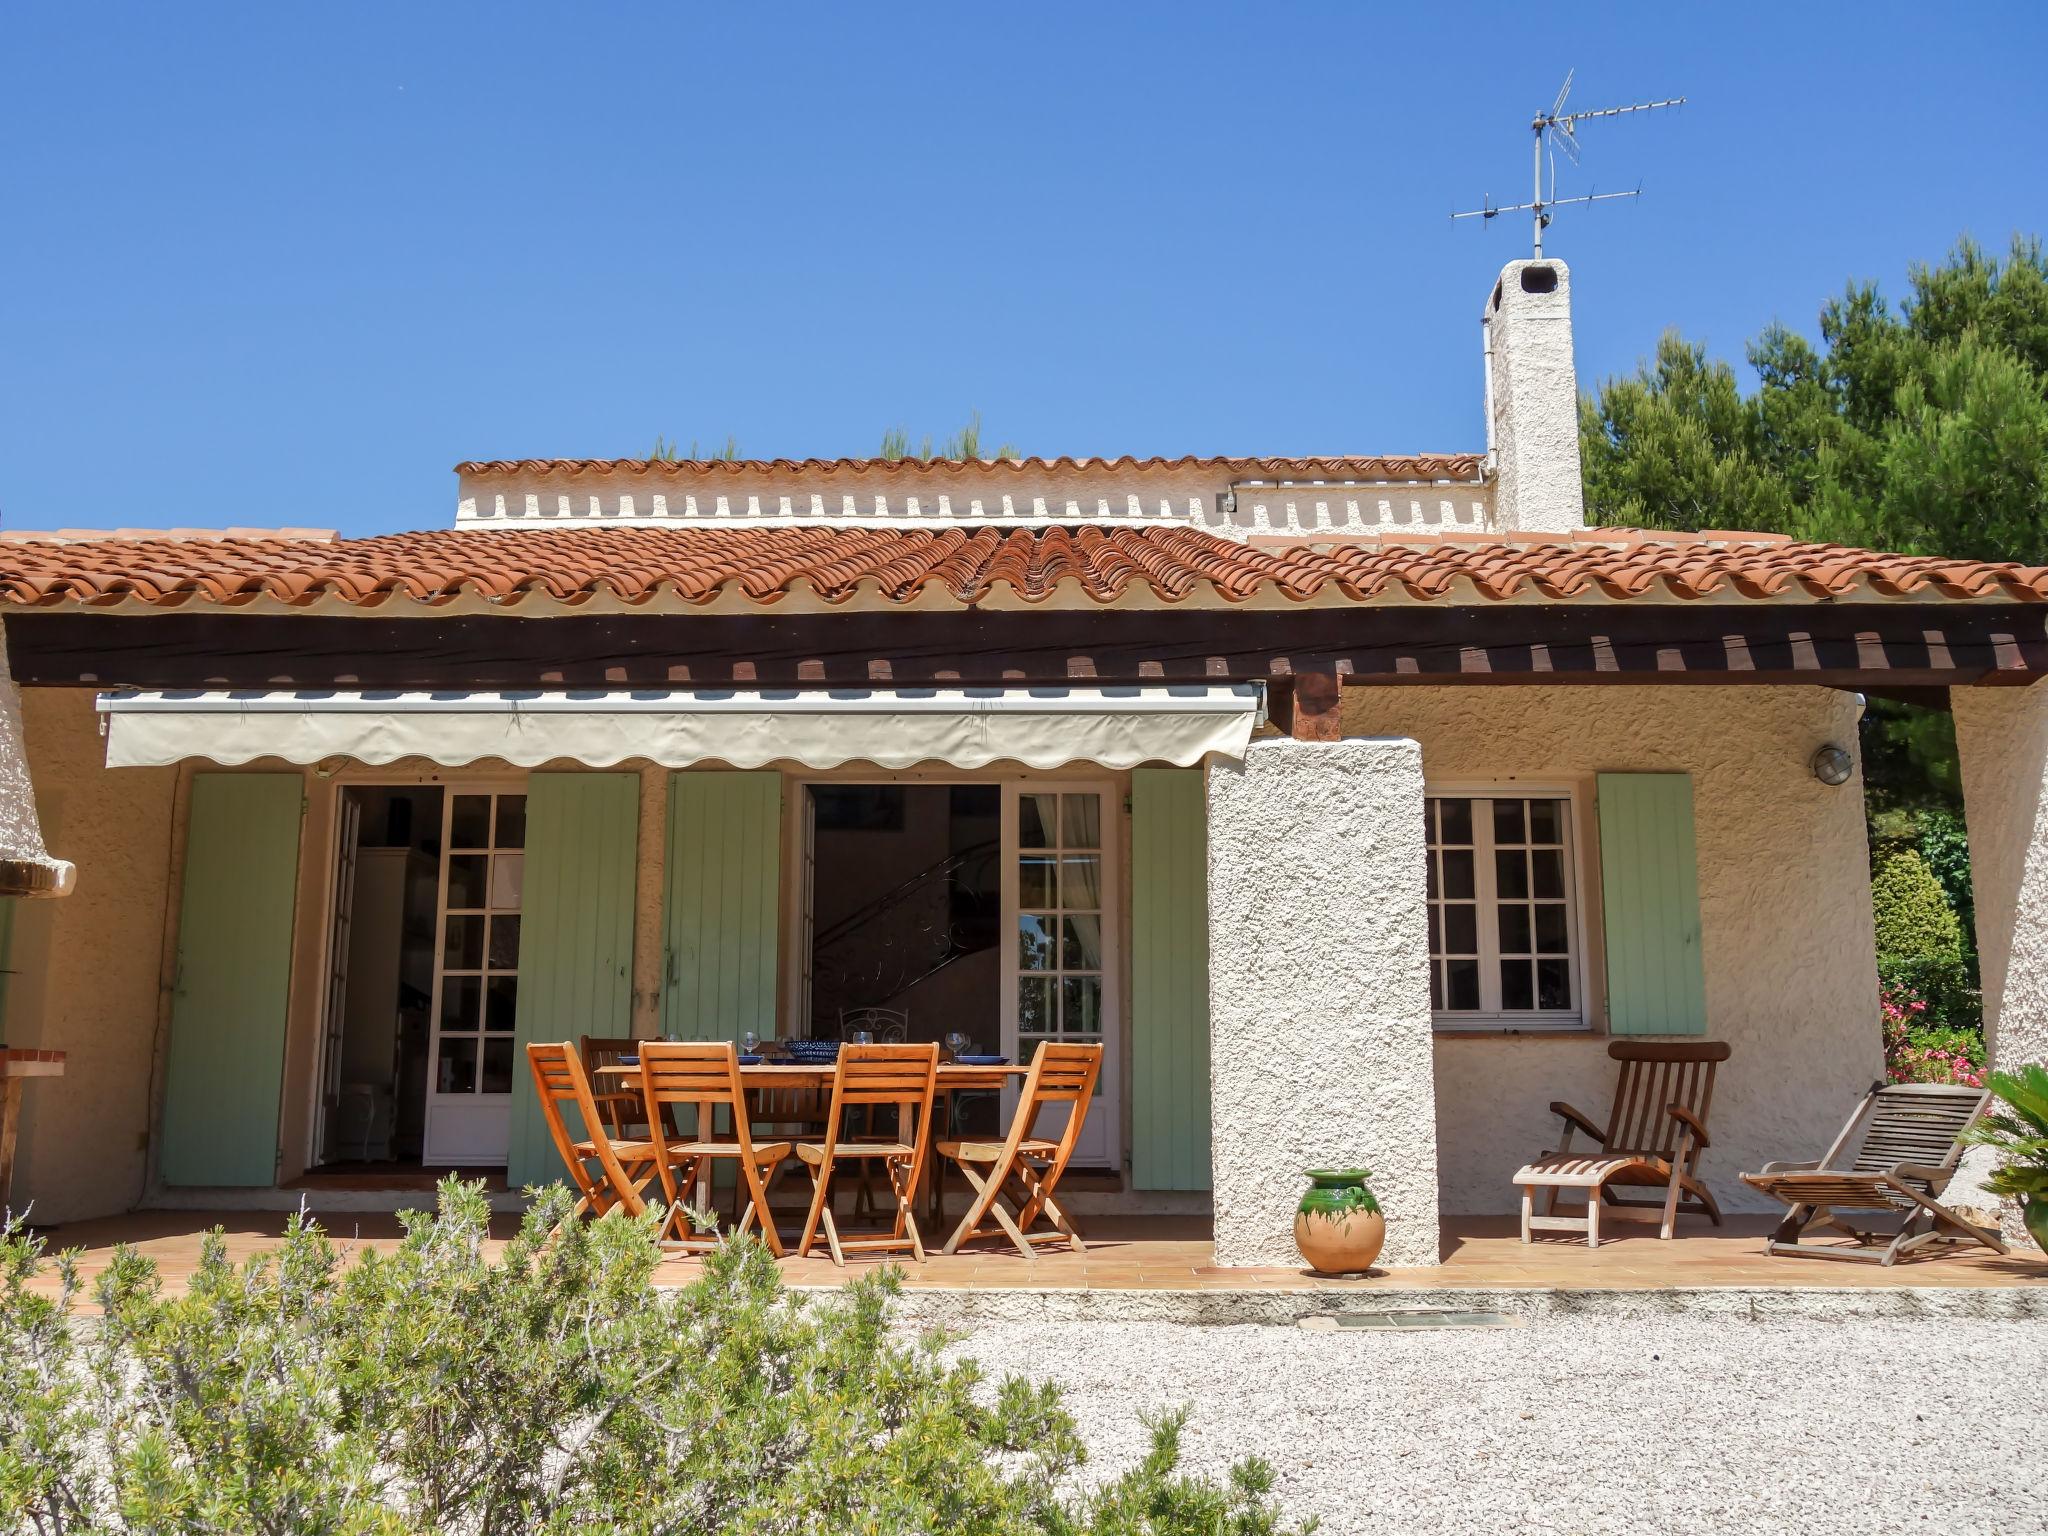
552, 1389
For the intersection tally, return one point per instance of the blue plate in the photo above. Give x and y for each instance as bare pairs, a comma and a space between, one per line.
983, 1061
750, 1061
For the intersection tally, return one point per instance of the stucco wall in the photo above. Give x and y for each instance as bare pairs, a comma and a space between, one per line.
1319, 990
88, 966
1784, 907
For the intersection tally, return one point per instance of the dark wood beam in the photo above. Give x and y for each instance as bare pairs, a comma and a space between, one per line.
1864, 646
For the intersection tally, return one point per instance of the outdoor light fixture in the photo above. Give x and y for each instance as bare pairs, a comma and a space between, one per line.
1833, 764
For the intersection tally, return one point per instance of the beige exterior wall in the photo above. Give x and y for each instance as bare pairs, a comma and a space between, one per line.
89, 968
1784, 907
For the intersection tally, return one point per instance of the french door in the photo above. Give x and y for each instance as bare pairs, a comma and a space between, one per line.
470, 1061
1059, 952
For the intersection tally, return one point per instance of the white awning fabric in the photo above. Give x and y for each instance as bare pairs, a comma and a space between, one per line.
897, 728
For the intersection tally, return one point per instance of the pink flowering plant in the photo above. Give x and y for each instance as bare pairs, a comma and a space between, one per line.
1916, 1051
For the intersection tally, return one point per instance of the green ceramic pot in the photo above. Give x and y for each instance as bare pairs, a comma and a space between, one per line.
1338, 1226
2035, 1214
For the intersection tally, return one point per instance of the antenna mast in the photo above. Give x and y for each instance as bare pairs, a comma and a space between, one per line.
1558, 129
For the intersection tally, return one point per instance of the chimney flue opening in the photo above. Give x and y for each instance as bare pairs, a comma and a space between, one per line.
1539, 279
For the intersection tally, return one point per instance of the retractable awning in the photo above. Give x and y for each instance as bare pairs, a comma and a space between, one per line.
891, 728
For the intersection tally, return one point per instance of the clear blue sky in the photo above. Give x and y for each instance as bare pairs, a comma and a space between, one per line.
288, 263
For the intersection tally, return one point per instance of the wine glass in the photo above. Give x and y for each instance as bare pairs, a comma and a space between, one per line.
750, 1042
863, 1037
957, 1043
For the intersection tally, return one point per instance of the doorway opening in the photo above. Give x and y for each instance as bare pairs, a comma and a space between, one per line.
905, 911
416, 1061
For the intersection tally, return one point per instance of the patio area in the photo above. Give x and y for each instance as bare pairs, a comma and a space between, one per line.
1160, 1253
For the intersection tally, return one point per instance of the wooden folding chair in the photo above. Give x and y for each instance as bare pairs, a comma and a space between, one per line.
1028, 1167
704, 1074
1654, 1136
1904, 1158
625, 1167
874, 1077
621, 1108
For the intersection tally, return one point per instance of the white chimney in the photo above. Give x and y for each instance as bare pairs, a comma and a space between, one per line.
1532, 400
26, 868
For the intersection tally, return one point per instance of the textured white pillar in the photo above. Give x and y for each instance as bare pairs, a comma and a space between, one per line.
26, 868
1533, 392
2002, 739
1319, 1033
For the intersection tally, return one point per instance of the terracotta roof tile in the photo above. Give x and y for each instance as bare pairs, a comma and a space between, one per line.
522, 569
1399, 466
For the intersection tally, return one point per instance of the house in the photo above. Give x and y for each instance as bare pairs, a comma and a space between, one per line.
1353, 803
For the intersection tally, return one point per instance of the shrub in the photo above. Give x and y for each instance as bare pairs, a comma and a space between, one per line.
551, 1390
1914, 920
1918, 1051
1944, 983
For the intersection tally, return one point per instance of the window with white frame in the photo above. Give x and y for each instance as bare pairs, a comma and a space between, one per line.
1504, 945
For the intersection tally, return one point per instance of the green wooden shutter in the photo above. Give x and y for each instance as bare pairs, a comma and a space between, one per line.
1169, 980
723, 904
575, 936
1649, 889
225, 1067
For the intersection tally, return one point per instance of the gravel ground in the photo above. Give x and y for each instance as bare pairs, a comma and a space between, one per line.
1690, 1425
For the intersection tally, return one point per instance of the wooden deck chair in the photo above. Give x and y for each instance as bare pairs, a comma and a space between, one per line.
872, 1077
1905, 1153
1025, 1167
676, 1074
625, 1168
621, 1108
1654, 1137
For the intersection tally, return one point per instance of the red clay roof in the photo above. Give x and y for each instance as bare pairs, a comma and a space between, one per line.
528, 568
1398, 466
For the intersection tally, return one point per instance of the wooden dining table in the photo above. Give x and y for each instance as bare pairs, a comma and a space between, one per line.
953, 1077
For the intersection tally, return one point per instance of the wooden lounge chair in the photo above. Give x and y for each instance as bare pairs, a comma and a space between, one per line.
625, 1168
704, 1074
1653, 1139
1025, 1166
1904, 1157
901, 1077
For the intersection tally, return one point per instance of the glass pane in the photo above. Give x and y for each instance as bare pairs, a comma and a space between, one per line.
1035, 820
1507, 822
458, 1065
1546, 821
511, 821
1034, 942
1553, 984
1511, 873
508, 880
458, 1002
470, 824
1081, 821
1457, 820
1550, 928
1034, 1005
1081, 1005
1081, 943
1081, 882
1430, 862
501, 1002
1034, 881
1514, 929
464, 946
1436, 930
1436, 984
1461, 928
466, 874
1462, 977
497, 1066
1517, 991
1549, 867
1458, 872
505, 943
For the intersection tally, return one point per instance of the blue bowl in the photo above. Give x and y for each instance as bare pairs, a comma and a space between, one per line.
750, 1061
983, 1061
629, 1061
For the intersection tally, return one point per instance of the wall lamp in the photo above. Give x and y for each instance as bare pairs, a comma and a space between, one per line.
1832, 765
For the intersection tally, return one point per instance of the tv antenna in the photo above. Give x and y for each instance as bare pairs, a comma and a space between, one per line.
1557, 131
